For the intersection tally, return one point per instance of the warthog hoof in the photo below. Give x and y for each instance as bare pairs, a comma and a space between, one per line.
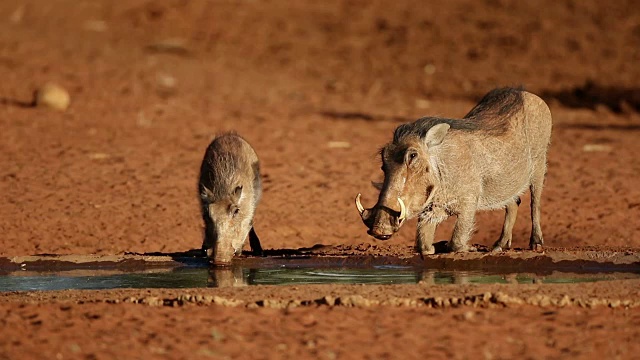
535, 243
537, 247
429, 251
501, 245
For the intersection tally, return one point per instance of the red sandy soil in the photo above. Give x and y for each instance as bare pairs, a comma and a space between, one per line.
152, 82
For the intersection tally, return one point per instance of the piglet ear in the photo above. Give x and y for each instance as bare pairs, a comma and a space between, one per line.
436, 134
237, 194
377, 185
205, 194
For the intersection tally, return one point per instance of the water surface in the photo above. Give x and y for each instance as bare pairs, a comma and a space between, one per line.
200, 277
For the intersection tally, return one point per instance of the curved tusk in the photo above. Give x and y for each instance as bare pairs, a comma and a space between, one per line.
359, 205
403, 211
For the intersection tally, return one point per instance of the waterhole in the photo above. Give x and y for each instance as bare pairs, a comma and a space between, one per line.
202, 276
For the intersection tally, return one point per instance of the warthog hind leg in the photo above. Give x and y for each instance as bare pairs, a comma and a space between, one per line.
511, 213
537, 181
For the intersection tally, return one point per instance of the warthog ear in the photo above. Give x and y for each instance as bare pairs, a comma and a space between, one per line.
377, 185
237, 193
436, 134
205, 194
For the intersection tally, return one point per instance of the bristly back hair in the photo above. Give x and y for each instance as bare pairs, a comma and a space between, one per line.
220, 165
490, 116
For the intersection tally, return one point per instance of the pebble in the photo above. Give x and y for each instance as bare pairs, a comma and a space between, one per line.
423, 104
596, 148
429, 69
52, 96
339, 144
176, 46
99, 156
468, 315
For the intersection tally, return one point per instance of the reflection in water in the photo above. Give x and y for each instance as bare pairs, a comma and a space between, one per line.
384, 275
198, 277
227, 277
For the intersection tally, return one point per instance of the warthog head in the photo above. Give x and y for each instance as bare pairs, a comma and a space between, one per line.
227, 223
410, 179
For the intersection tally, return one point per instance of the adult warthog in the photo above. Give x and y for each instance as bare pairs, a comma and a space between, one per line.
437, 167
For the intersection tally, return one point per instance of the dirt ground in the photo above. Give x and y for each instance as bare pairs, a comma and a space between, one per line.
316, 88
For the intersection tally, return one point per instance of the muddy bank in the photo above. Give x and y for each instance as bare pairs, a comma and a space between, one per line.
363, 255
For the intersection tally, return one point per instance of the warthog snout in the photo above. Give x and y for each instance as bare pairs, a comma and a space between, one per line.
219, 255
381, 220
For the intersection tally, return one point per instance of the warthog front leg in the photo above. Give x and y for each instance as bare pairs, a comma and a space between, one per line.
537, 181
254, 242
425, 236
511, 213
462, 230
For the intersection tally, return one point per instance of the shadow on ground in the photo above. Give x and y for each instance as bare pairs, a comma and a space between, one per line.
592, 95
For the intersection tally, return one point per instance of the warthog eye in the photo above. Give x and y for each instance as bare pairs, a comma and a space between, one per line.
234, 210
409, 156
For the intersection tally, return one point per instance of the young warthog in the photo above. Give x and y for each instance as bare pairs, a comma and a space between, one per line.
437, 167
230, 189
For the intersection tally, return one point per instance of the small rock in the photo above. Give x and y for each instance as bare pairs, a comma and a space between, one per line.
423, 104
329, 300
565, 301
226, 302
52, 96
176, 46
339, 145
165, 80
153, 301
596, 148
275, 304
429, 69
545, 301
355, 301
308, 320
99, 156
